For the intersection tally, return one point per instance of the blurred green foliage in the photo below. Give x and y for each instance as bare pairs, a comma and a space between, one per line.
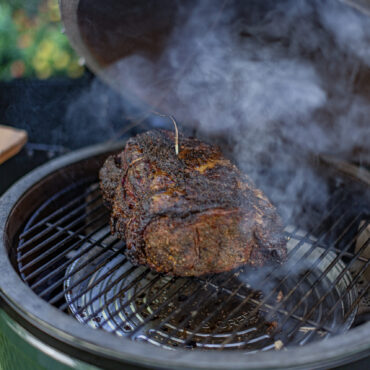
31, 41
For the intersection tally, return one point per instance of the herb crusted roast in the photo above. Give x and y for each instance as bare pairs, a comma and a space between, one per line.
190, 214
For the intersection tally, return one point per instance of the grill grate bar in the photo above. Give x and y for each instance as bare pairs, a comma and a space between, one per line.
61, 268
353, 283
341, 236
208, 318
266, 307
355, 279
269, 308
125, 289
337, 258
190, 300
84, 277
141, 307
53, 249
318, 280
51, 227
60, 210
246, 298
335, 282
340, 276
351, 255
56, 259
274, 290
360, 296
58, 234
89, 238
84, 291
69, 261
214, 313
160, 307
332, 248
322, 298
155, 296
75, 234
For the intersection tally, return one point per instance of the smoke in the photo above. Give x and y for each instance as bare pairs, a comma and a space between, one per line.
97, 114
349, 28
274, 80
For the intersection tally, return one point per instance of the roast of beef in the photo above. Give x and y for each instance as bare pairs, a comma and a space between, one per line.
188, 214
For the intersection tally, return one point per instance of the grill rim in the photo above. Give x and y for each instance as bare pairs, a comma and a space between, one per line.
46, 319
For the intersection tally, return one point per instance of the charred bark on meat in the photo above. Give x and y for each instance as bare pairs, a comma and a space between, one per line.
188, 214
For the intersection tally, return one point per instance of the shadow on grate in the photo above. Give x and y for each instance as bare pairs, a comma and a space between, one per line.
68, 257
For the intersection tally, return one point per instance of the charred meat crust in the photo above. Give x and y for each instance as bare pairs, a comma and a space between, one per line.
190, 214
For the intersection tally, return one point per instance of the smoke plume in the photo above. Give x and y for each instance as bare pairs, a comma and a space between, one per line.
276, 82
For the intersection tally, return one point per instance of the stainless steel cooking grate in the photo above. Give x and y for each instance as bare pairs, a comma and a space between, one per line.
68, 257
